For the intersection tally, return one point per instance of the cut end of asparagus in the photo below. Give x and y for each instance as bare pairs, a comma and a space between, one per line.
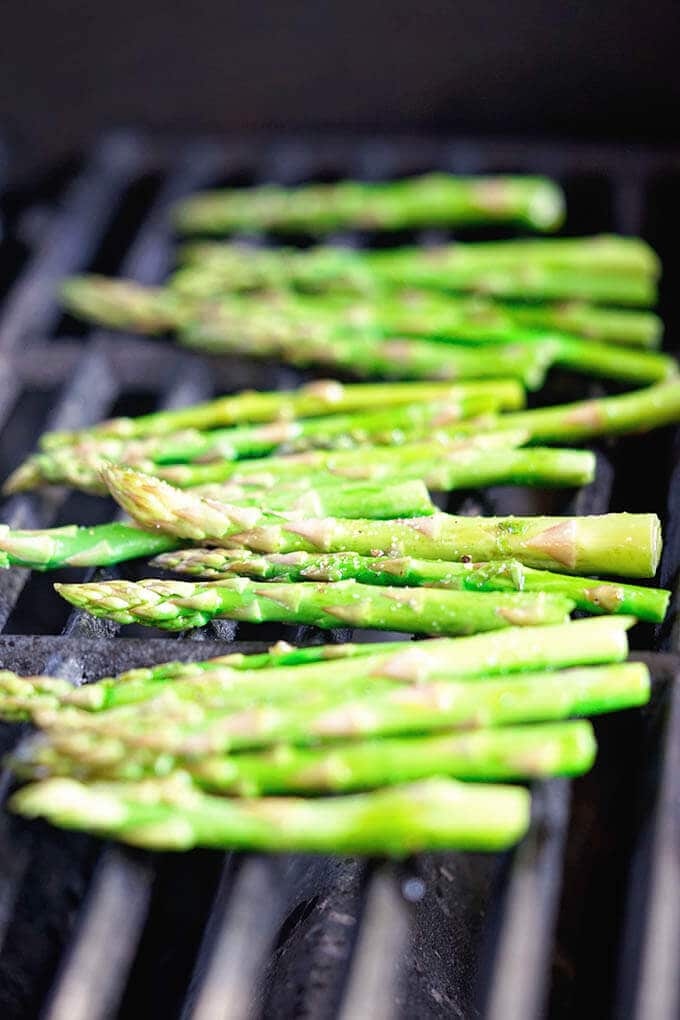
547, 207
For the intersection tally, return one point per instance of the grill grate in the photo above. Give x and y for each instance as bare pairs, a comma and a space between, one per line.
583, 915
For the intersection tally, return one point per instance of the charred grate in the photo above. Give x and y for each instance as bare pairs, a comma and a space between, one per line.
585, 915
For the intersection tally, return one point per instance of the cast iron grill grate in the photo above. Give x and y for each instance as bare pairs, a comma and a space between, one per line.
584, 915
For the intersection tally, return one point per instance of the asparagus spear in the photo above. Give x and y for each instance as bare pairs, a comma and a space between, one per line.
509, 753
172, 815
601, 253
77, 463
445, 462
235, 679
392, 359
433, 199
509, 575
178, 605
127, 305
442, 466
617, 270
625, 544
218, 330
639, 411
322, 397
73, 546
192, 731
496, 652
22, 696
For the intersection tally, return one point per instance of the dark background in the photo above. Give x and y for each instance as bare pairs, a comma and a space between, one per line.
583, 69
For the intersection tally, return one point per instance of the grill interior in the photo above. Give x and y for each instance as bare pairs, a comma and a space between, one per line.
583, 916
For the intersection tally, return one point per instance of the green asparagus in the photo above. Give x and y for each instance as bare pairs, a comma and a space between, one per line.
178, 605
77, 463
624, 544
434, 199
322, 397
124, 304
598, 269
392, 358
509, 753
444, 462
190, 730
337, 668
525, 354
510, 575
435, 814
496, 652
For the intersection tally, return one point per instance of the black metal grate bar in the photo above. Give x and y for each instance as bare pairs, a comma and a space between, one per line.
238, 942
96, 968
373, 978
518, 984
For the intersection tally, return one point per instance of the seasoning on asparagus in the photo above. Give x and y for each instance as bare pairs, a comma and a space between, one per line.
624, 544
435, 814
590, 595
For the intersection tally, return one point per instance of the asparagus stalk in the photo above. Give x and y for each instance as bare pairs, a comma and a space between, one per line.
444, 462
523, 354
22, 696
625, 544
124, 304
73, 546
589, 595
191, 731
178, 605
443, 467
322, 397
235, 680
77, 463
510, 651
81, 466
602, 253
616, 271
496, 652
509, 753
639, 411
433, 199
171, 815
392, 358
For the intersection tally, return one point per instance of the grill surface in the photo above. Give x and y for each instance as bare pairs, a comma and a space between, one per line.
583, 916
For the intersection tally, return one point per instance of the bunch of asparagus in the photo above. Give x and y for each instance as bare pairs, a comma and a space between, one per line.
179, 755
450, 436
313, 508
416, 334
348, 535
